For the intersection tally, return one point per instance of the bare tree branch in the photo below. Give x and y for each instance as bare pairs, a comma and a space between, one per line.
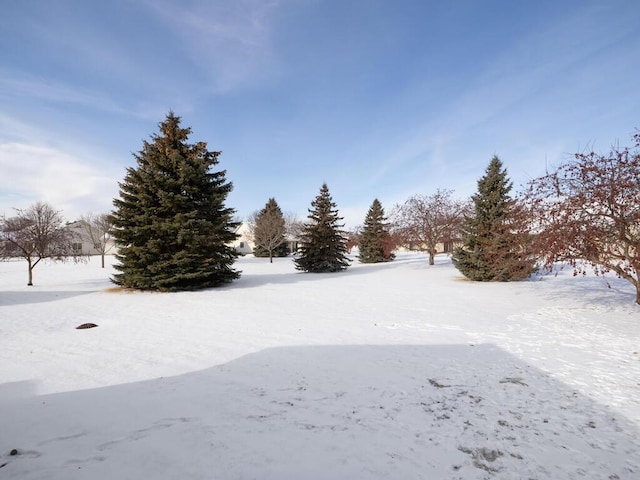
269, 229
97, 230
588, 210
35, 234
424, 221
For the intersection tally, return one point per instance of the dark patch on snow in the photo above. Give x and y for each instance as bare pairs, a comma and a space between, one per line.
86, 325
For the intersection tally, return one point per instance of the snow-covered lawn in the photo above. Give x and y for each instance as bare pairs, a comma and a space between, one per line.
394, 371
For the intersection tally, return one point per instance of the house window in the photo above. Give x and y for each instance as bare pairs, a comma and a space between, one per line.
241, 244
77, 247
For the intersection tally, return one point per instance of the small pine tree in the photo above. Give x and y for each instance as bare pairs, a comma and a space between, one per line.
375, 240
323, 246
269, 232
494, 245
170, 219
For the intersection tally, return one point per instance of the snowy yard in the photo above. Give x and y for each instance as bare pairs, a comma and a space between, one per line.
393, 371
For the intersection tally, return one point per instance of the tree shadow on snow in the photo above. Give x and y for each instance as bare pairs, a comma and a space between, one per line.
251, 280
339, 412
26, 297
11, 391
592, 290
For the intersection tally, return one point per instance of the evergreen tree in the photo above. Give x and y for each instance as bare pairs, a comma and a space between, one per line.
269, 232
494, 239
170, 220
375, 240
323, 246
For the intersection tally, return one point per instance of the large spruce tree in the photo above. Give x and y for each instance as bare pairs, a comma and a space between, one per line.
269, 232
323, 244
494, 240
170, 220
375, 241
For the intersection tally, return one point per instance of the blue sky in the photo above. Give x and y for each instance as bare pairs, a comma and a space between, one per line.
377, 98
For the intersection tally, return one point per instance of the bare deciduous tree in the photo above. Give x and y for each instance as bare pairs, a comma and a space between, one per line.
35, 234
293, 225
251, 224
424, 221
269, 229
97, 230
588, 210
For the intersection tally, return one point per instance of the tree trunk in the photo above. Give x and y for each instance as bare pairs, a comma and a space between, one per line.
432, 257
103, 260
270, 256
30, 284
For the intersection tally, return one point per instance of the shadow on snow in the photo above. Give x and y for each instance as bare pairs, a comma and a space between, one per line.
441, 411
26, 297
251, 280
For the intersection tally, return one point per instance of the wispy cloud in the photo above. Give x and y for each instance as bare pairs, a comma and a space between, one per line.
230, 42
530, 100
97, 57
14, 84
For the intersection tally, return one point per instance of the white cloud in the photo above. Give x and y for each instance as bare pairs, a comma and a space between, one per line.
31, 173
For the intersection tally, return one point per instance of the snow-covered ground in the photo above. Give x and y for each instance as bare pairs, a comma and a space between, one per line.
398, 371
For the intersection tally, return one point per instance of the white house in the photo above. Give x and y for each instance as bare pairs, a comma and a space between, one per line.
82, 243
244, 243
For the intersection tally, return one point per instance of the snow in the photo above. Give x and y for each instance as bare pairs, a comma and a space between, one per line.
398, 370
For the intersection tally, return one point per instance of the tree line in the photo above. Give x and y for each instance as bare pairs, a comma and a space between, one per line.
174, 229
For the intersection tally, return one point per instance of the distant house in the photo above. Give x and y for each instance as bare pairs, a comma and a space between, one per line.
441, 247
82, 243
293, 243
244, 243
449, 246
